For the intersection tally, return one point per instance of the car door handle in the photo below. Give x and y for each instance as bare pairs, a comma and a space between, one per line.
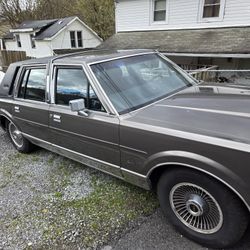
57, 118
17, 109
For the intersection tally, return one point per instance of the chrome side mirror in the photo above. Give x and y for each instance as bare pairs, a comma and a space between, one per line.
78, 106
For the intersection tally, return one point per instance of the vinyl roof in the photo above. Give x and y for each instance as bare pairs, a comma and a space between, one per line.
87, 57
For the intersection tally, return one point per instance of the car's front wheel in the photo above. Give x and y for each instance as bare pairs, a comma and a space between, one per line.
17, 139
201, 208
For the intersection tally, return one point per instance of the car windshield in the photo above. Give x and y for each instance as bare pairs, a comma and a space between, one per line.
134, 82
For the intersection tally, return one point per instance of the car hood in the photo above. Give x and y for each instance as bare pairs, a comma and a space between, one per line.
216, 111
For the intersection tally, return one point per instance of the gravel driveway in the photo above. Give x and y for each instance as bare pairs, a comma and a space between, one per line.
49, 202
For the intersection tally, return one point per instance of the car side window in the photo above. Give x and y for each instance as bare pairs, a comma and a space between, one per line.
72, 84
33, 84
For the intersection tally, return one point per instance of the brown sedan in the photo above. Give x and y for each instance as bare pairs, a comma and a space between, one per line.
139, 117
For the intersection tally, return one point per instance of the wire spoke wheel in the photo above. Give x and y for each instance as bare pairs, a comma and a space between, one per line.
15, 135
196, 208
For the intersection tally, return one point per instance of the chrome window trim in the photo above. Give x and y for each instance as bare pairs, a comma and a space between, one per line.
114, 111
201, 170
121, 57
55, 66
108, 60
180, 70
23, 68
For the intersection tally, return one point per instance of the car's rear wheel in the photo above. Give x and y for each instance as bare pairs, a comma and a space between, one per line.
201, 208
17, 139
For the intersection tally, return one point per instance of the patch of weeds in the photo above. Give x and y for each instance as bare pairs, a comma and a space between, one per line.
58, 195
108, 209
35, 158
51, 159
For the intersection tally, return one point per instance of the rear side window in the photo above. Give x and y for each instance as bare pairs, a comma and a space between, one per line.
72, 84
33, 84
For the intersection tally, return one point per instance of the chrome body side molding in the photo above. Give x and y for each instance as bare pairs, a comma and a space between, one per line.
103, 166
108, 168
134, 178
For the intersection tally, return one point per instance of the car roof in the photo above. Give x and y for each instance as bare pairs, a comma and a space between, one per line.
90, 56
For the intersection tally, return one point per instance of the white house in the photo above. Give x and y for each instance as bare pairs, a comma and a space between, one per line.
42, 38
213, 32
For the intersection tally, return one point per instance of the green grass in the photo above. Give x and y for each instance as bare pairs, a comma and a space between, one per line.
108, 209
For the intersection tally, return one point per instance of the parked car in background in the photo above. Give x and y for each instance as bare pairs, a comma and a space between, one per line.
139, 117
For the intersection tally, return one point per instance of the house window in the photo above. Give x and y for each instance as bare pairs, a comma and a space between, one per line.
18, 40
79, 39
76, 39
212, 9
73, 39
32, 41
160, 10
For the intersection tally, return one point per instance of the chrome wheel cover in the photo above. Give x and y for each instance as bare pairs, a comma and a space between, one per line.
196, 208
15, 135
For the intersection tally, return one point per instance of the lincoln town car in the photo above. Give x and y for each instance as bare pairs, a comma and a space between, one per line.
136, 115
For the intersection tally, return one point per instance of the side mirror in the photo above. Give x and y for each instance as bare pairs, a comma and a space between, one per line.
78, 106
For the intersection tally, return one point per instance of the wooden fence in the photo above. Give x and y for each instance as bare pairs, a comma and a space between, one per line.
8, 57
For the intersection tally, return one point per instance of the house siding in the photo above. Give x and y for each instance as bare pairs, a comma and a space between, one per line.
136, 15
62, 40
43, 48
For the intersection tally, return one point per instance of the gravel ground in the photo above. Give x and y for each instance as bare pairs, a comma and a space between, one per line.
49, 202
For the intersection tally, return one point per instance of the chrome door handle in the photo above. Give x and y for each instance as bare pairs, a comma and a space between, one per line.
57, 118
17, 109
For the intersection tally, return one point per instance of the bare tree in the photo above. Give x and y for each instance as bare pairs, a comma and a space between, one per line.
99, 15
15, 11
50, 9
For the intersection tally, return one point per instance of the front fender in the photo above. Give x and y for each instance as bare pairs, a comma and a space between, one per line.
200, 163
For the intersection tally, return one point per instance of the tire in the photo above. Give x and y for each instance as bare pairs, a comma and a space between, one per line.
201, 208
17, 139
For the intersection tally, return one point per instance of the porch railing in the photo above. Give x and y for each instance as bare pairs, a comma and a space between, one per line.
207, 74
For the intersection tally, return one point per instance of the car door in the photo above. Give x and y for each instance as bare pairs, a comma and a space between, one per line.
93, 139
30, 109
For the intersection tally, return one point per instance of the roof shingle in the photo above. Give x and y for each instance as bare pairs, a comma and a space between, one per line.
48, 28
221, 40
